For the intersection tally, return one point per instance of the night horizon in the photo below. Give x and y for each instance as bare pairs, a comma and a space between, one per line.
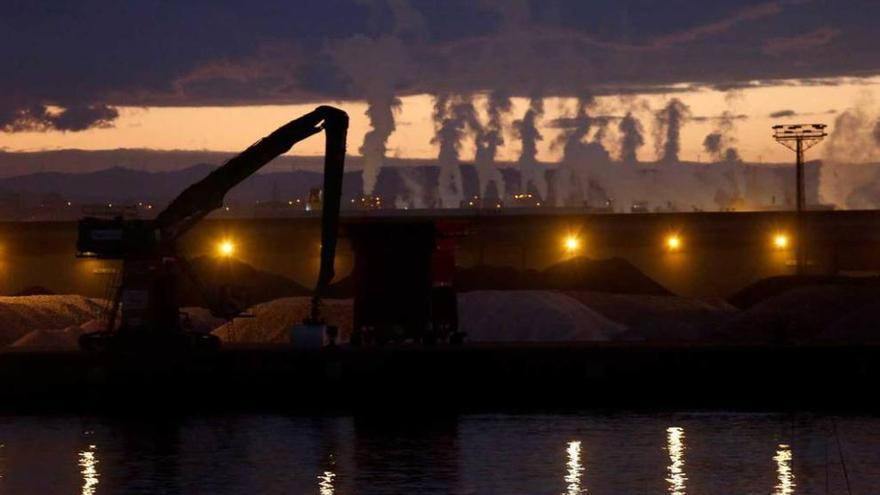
461, 247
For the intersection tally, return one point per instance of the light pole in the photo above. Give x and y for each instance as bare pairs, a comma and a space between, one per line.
799, 138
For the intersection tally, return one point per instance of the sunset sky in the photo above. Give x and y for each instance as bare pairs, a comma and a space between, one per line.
218, 75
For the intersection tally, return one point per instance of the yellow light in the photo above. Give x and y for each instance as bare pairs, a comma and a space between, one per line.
226, 248
572, 244
780, 241
673, 242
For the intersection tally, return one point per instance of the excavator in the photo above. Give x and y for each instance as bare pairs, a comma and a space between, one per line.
146, 300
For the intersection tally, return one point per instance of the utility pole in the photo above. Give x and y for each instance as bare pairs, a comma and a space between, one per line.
799, 138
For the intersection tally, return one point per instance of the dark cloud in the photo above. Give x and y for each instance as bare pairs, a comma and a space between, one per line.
89, 56
783, 114
722, 117
42, 118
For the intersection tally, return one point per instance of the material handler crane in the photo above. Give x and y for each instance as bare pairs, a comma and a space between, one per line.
146, 300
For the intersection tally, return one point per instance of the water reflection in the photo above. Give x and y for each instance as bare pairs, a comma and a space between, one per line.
325, 479
784, 475
88, 462
325, 483
575, 469
675, 446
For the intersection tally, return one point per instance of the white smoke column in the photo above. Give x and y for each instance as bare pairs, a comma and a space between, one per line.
632, 139
571, 178
374, 65
498, 106
720, 144
381, 113
587, 173
670, 119
527, 129
416, 197
453, 120
849, 177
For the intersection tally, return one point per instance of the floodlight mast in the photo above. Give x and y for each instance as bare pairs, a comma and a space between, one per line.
799, 138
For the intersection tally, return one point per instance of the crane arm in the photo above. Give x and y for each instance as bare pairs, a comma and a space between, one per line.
205, 196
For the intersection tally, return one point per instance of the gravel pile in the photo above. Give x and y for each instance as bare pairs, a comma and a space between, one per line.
22, 315
531, 316
660, 318
802, 314
273, 319
613, 275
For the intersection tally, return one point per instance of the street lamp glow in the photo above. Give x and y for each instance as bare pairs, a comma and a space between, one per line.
780, 241
673, 242
226, 248
572, 244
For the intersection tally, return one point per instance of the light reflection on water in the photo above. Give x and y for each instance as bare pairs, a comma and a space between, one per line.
325, 483
325, 479
785, 477
88, 463
472, 454
675, 447
575, 469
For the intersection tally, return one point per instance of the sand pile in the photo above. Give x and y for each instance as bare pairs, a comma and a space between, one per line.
857, 327
802, 314
22, 315
341, 289
531, 316
255, 286
486, 277
774, 286
660, 318
273, 319
614, 275
201, 320
65, 339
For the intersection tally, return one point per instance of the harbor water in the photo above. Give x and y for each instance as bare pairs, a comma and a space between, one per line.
677, 453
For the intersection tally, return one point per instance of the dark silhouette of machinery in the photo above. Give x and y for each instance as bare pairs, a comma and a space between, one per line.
146, 299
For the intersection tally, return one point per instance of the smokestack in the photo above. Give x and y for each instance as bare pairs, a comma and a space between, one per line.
381, 112
669, 122
527, 130
498, 105
631, 132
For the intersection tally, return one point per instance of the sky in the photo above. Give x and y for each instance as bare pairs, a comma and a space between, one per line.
217, 75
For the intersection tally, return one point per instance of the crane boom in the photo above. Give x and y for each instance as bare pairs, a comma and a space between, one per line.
205, 196
148, 249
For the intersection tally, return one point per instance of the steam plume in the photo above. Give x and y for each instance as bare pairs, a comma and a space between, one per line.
720, 143
488, 141
381, 112
374, 65
453, 120
527, 129
669, 122
571, 177
849, 177
631, 131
